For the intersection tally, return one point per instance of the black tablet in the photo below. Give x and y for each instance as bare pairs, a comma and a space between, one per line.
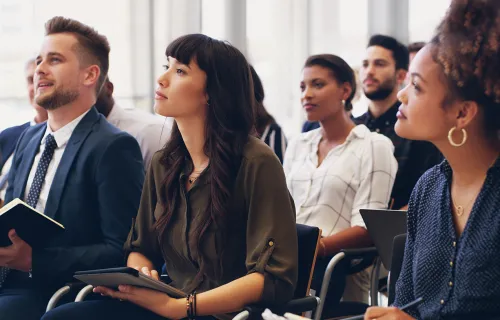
114, 277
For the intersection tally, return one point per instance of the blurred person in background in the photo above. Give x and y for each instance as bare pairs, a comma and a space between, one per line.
413, 49
150, 131
382, 73
335, 170
9, 136
267, 128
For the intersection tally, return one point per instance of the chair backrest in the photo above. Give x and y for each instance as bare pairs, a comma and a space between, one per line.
308, 240
398, 250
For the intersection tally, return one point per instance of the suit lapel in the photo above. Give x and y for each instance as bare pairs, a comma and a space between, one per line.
82, 130
24, 169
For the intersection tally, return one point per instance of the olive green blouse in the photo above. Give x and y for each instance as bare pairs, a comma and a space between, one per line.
261, 234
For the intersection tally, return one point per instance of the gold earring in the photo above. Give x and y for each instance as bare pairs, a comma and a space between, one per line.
450, 137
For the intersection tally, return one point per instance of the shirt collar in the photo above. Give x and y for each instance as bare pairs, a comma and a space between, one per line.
63, 135
204, 177
314, 136
389, 116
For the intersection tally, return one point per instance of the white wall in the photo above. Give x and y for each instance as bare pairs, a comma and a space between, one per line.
276, 35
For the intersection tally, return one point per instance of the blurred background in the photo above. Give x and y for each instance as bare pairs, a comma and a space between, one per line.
276, 35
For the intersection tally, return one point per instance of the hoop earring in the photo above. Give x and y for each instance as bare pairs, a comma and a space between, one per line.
450, 137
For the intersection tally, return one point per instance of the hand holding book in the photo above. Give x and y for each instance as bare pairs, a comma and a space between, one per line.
18, 255
32, 226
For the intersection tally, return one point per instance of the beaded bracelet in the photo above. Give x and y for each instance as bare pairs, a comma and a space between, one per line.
191, 306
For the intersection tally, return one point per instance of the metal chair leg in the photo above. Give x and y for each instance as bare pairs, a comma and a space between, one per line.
326, 281
374, 282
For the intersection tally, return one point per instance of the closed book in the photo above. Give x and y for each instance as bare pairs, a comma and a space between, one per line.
32, 226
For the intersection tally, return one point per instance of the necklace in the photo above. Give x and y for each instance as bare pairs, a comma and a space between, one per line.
192, 179
196, 174
459, 209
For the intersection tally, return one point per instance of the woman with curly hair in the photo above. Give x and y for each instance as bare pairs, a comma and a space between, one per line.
215, 207
451, 256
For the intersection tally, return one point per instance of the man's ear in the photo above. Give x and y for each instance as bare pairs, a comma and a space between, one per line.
110, 88
401, 76
92, 74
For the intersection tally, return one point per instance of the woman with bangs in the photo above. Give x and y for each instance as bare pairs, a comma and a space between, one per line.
215, 207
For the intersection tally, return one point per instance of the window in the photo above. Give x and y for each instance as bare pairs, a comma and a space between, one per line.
22, 23
424, 16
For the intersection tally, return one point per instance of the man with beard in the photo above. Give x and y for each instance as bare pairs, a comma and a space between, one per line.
76, 168
382, 73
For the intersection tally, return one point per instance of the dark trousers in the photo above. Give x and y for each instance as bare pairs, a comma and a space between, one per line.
335, 287
100, 309
22, 304
103, 309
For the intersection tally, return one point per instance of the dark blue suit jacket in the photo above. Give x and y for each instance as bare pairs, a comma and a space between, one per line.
95, 195
8, 141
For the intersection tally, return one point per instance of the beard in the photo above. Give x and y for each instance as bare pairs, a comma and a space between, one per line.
383, 91
57, 99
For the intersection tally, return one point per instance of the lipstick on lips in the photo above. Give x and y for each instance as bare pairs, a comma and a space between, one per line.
160, 96
309, 106
401, 115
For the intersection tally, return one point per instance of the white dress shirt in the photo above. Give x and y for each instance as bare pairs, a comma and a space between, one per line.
151, 132
62, 137
356, 174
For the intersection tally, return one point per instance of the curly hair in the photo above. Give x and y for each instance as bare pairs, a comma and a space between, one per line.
467, 47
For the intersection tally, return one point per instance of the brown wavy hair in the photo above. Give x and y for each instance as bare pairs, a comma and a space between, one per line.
467, 47
228, 125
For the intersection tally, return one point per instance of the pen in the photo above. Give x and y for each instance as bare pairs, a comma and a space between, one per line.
414, 303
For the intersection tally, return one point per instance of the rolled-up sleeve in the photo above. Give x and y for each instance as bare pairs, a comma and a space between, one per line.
271, 233
142, 237
378, 170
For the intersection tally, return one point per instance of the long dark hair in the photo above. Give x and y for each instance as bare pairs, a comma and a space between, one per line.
262, 117
341, 72
228, 125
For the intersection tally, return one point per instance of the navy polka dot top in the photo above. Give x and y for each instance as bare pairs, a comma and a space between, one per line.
458, 278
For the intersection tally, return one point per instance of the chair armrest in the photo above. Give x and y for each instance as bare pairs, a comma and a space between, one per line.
302, 305
293, 306
56, 297
360, 253
367, 256
82, 294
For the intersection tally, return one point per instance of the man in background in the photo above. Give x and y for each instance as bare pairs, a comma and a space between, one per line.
150, 131
9, 136
383, 71
413, 49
